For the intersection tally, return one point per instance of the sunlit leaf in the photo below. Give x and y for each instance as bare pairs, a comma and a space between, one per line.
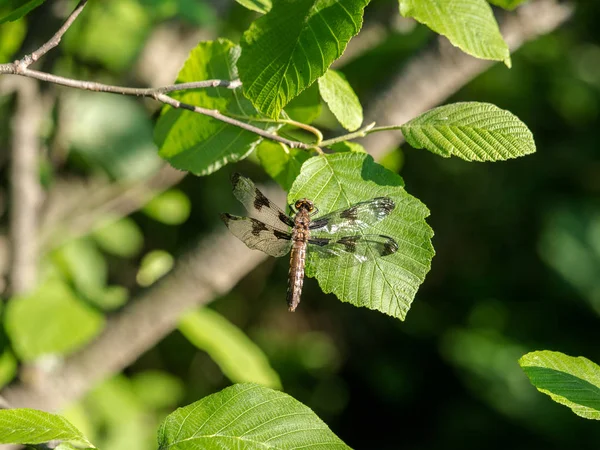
198, 143
387, 284
51, 320
30, 426
468, 24
570, 381
171, 207
286, 50
154, 265
507, 4
472, 131
158, 389
246, 416
282, 164
341, 99
11, 38
240, 359
11, 10
261, 6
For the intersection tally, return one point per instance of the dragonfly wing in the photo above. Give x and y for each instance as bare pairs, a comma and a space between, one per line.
258, 235
354, 218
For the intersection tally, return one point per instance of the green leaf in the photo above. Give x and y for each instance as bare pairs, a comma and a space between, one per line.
30, 426
261, 6
286, 50
11, 10
468, 24
240, 359
387, 284
570, 381
171, 207
157, 389
8, 367
341, 99
507, 4
306, 107
472, 131
154, 265
281, 163
198, 143
347, 146
11, 38
50, 321
246, 416
121, 237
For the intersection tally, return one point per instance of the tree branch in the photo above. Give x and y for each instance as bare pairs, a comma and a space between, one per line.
25, 188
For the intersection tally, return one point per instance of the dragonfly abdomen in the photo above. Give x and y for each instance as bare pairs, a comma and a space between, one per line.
300, 236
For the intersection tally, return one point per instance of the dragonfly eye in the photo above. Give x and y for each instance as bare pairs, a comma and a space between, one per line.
305, 204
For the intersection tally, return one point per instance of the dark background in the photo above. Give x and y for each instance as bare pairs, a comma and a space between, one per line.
517, 265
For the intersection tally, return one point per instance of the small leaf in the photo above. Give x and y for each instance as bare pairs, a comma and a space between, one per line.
198, 143
472, 131
50, 321
261, 6
240, 359
387, 284
16, 9
347, 146
507, 4
468, 24
286, 50
246, 416
154, 265
341, 99
306, 107
30, 426
282, 164
171, 207
121, 237
570, 381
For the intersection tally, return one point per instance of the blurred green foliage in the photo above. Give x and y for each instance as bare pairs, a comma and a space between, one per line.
516, 266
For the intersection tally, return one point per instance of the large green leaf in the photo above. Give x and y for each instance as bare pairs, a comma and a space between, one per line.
507, 4
472, 131
50, 321
30, 426
282, 164
246, 416
468, 24
198, 143
341, 99
570, 381
387, 284
240, 359
286, 50
15, 9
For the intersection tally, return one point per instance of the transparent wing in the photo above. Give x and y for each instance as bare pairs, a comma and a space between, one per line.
355, 218
258, 205
257, 235
361, 247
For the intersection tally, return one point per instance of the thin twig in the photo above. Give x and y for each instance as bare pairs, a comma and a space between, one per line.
21, 67
54, 40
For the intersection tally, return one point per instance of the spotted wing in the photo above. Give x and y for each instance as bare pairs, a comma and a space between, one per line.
258, 205
353, 219
362, 248
258, 235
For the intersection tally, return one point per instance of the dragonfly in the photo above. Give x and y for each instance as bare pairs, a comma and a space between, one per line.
335, 234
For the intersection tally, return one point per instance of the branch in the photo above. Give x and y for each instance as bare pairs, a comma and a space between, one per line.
21, 67
25, 190
436, 74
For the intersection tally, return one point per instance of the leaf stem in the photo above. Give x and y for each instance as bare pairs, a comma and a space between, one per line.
347, 137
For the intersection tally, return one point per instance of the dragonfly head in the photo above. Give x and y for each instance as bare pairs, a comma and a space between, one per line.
305, 204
